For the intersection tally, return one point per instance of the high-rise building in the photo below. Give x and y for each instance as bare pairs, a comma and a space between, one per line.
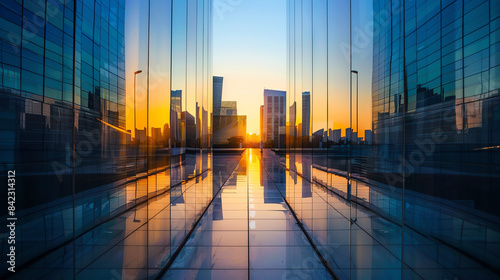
217, 95
175, 116
306, 113
275, 116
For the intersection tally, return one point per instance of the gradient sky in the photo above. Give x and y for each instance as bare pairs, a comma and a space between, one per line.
249, 51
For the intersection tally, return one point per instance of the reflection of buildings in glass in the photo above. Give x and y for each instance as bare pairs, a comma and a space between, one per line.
229, 108
175, 115
166, 135
350, 134
217, 95
128, 137
318, 138
218, 213
427, 97
201, 130
422, 100
156, 136
275, 117
63, 114
306, 113
43, 102
205, 128
269, 183
140, 136
62, 94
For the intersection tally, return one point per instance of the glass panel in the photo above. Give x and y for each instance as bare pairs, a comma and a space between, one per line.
377, 100
178, 121
159, 131
339, 59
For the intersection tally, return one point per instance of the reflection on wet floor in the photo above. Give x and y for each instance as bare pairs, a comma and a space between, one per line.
137, 243
248, 233
232, 222
358, 243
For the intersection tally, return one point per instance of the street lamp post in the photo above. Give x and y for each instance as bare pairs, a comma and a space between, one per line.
135, 124
135, 132
349, 186
357, 91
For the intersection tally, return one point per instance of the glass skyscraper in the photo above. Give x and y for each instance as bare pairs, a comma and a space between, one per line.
435, 95
413, 85
217, 91
105, 109
63, 96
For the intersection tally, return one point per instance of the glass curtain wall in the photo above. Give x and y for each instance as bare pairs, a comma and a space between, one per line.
106, 120
393, 129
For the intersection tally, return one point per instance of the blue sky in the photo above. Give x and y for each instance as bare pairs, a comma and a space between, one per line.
249, 51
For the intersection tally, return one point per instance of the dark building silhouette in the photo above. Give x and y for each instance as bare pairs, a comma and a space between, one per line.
217, 95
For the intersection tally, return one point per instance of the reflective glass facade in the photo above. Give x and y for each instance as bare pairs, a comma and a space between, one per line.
404, 116
379, 161
105, 111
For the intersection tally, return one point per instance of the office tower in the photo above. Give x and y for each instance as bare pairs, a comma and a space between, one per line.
217, 95
275, 116
175, 116
229, 108
306, 113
